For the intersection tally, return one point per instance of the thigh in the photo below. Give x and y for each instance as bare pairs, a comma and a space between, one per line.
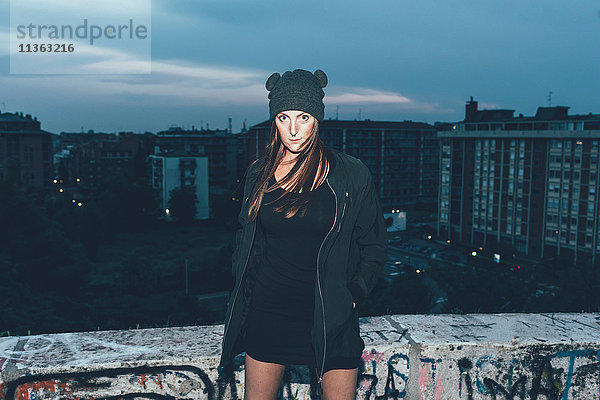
262, 379
340, 384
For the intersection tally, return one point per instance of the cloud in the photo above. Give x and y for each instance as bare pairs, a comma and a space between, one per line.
365, 95
487, 106
361, 96
66, 10
180, 81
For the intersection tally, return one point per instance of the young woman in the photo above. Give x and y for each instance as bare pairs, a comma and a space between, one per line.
311, 247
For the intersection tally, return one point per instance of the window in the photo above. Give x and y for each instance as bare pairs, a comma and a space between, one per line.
551, 233
567, 144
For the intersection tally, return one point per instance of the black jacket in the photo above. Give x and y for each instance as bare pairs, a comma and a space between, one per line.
349, 262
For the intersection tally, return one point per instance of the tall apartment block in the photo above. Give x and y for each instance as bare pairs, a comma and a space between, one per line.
527, 184
403, 157
25, 151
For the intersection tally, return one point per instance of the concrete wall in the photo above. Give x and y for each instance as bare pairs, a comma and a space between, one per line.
497, 356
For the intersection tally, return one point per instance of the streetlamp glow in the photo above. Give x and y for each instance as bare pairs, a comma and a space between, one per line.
473, 253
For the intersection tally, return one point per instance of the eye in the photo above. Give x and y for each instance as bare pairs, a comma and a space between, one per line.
282, 117
305, 117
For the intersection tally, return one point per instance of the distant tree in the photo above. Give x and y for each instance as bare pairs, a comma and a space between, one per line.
125, 203
182, 203
225, 208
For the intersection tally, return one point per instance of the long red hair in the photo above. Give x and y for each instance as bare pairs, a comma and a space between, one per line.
309, 171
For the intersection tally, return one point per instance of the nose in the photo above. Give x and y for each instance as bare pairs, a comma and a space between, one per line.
293, 128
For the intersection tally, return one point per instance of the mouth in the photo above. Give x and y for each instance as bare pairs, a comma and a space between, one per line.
294, 140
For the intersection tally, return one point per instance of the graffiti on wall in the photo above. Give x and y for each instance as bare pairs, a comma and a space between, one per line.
560, 375
532, 373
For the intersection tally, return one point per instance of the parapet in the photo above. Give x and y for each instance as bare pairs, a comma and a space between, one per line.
475, 356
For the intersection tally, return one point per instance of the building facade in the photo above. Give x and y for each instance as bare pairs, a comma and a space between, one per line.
170, 171
526, 183
25, 151
87, 159
226, 153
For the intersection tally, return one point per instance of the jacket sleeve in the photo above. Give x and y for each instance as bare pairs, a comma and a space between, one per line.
370, 234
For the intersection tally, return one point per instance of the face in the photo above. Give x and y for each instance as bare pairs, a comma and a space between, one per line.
295, 129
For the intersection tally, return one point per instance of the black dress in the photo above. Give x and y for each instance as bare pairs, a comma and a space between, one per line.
280, 319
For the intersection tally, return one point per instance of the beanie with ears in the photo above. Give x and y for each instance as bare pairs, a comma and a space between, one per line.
297, 90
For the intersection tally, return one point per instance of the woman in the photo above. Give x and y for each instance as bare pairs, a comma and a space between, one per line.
311, 247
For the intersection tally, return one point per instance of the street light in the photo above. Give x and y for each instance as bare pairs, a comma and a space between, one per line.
448, 241
474, 253
429, 237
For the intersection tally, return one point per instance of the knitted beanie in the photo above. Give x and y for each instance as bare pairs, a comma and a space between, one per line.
297, 90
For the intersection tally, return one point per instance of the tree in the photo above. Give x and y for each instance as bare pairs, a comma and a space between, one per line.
182, 203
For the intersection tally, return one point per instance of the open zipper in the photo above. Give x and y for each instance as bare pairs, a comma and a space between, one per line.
320, 375
343, 209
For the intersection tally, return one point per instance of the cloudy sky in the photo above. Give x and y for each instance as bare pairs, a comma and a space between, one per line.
385, 59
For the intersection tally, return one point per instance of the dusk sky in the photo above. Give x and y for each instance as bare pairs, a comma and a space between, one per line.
386, 60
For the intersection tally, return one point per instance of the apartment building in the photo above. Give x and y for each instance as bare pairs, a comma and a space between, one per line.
25, 151
525, 183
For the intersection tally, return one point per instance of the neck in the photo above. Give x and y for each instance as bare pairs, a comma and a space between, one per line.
289, 158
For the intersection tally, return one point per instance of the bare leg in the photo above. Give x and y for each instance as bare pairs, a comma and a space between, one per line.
340, 384
262, 379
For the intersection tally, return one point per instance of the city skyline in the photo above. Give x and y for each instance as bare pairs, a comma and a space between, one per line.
389, 61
